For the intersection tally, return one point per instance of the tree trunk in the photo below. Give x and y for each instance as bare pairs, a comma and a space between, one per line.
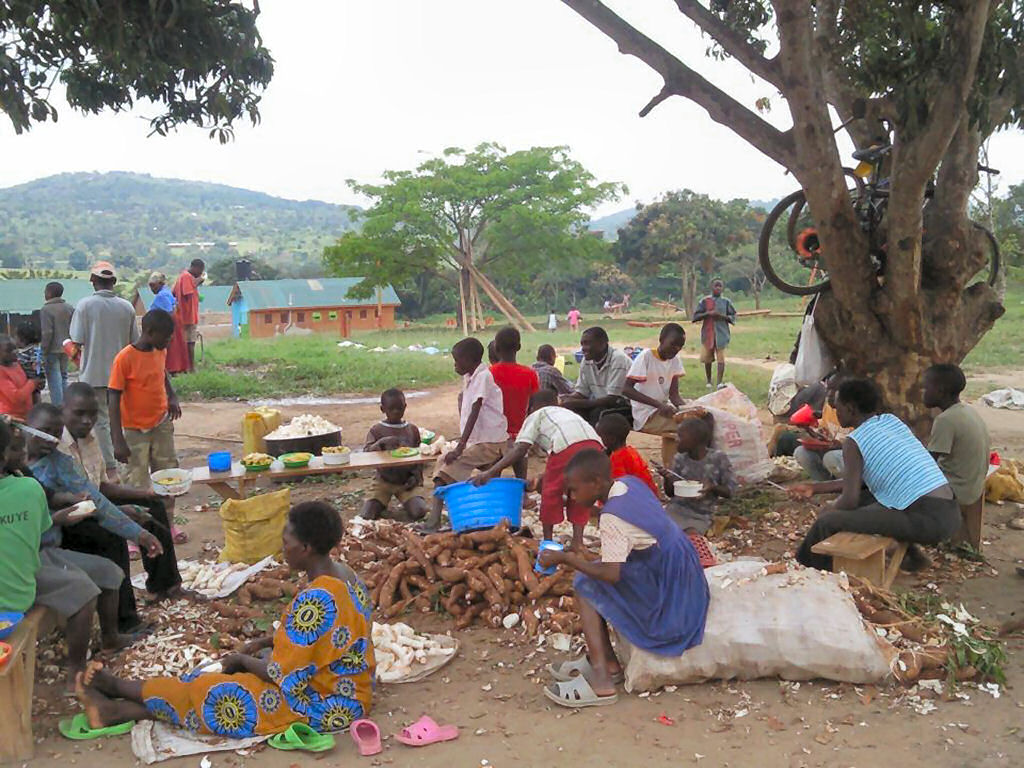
757, 294
689, 287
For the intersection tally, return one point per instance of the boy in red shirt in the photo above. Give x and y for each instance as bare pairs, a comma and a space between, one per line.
614, 428
517, 384
16, 389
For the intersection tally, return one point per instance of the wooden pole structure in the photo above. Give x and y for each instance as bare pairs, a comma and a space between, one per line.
478, 310
462, 301
501, 302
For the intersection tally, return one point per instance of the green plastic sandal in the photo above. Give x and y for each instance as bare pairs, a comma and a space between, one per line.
301, 736
77, 729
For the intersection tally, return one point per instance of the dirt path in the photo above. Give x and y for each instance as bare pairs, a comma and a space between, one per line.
493, 690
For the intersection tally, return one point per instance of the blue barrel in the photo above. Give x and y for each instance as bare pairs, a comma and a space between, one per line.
472, 508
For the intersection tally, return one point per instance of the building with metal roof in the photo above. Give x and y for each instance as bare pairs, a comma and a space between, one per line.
322, 305
22, 298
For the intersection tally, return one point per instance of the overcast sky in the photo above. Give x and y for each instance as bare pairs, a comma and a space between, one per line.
361, 87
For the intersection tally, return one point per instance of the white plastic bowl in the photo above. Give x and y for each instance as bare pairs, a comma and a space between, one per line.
182, 482
687, 489
336, 459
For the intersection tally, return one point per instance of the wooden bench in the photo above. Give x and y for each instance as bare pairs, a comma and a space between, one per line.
17, 679
863, 555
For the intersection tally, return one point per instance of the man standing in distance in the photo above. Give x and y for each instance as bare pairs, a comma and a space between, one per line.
186, 293
715, 313
103, 325
162, 296
55, 327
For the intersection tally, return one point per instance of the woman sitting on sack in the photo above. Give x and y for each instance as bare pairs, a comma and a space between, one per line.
906, 497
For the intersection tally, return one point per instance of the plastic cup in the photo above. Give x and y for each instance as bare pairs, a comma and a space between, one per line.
546, 544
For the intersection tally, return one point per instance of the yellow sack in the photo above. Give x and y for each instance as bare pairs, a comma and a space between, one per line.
560, 364
257, 424
252, 527
1006, 483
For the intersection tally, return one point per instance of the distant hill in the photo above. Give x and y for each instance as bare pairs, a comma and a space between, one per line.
141, 222
612, 223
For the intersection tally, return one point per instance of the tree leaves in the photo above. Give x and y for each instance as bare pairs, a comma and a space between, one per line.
202, 61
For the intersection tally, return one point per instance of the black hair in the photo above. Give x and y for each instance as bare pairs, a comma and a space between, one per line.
597, 332
672, 329
54, 289
316, 524
158, 321
543, 398
79, 389
949, 377
390, 394
198, 263
470, 348
492, 352
28, 332
43, 410
103, 283
591, 464
545, 352
507, 339
700, 427
5, 437
614, 425
862, 394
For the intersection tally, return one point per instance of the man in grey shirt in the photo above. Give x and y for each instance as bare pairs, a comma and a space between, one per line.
602, 377
55, 327
103, 325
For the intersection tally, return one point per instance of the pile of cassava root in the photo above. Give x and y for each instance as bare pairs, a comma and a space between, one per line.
483, 577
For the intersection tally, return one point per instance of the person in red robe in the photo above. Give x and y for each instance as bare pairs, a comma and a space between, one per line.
181, 354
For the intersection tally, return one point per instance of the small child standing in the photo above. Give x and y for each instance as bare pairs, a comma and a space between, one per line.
404, 483
614, 429
143, 405
562, 434
552, 321
518, 383
481, 419
697, 461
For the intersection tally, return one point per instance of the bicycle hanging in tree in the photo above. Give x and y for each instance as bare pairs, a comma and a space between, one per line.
793, 258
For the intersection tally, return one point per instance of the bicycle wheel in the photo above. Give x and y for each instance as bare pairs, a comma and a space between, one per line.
994, 260
777, 251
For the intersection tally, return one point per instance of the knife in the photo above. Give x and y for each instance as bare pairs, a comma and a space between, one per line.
36, 433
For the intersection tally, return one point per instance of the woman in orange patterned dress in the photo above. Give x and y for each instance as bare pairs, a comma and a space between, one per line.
319, 671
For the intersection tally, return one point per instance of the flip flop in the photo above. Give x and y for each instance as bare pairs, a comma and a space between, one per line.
577, 694
366, 735
77, 729
425, 731
301, 736
568, 671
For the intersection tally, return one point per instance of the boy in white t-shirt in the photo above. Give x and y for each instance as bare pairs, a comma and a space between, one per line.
652, 386
481, 419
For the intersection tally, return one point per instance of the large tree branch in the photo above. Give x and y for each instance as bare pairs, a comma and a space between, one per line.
680, 80
732, 42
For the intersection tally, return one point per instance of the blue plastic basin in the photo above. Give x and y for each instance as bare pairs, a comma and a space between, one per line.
11, 617
219, 462
471, 508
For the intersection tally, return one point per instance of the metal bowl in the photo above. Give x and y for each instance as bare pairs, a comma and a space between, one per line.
309, 444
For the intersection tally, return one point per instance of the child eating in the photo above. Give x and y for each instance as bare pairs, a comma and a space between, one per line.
614, 428
393, 431
481, 419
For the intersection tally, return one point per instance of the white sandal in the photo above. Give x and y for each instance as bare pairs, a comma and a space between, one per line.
568, 671
577, 694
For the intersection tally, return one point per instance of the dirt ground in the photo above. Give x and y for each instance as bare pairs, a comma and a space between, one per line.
492, 691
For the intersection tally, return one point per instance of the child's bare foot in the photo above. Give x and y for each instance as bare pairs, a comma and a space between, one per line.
97, 677
92, 702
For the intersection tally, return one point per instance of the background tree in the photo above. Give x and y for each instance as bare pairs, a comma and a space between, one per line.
938, 77
742, 271
203, 61
508, 213
223, 272
685, 233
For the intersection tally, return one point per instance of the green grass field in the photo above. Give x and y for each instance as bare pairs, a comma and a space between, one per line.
262, 368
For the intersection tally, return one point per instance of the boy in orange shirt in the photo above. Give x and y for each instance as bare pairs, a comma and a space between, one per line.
143, 405
614, 428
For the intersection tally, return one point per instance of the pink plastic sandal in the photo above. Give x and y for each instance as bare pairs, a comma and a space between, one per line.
425, 731
179, 536
366, 735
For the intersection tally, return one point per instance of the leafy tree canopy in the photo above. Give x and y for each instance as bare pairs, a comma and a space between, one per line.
507, 211
203, 61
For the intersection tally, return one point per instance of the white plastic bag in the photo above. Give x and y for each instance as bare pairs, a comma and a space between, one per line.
738, 433
813, 360
798, 625
782, 388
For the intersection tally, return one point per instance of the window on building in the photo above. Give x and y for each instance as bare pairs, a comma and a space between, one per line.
362, 314
316, 317
332, 315
284, 317
267, 319
301, 317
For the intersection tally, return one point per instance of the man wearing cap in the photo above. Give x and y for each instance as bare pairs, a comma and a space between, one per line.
103, 325
186, 318
162, 296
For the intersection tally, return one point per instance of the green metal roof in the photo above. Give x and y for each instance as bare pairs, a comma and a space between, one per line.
213, 298
321, 292
23, 297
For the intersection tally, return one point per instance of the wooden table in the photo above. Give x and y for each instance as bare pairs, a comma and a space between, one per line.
235, 483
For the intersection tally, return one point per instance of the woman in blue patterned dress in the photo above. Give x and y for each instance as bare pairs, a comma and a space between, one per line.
320, 669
